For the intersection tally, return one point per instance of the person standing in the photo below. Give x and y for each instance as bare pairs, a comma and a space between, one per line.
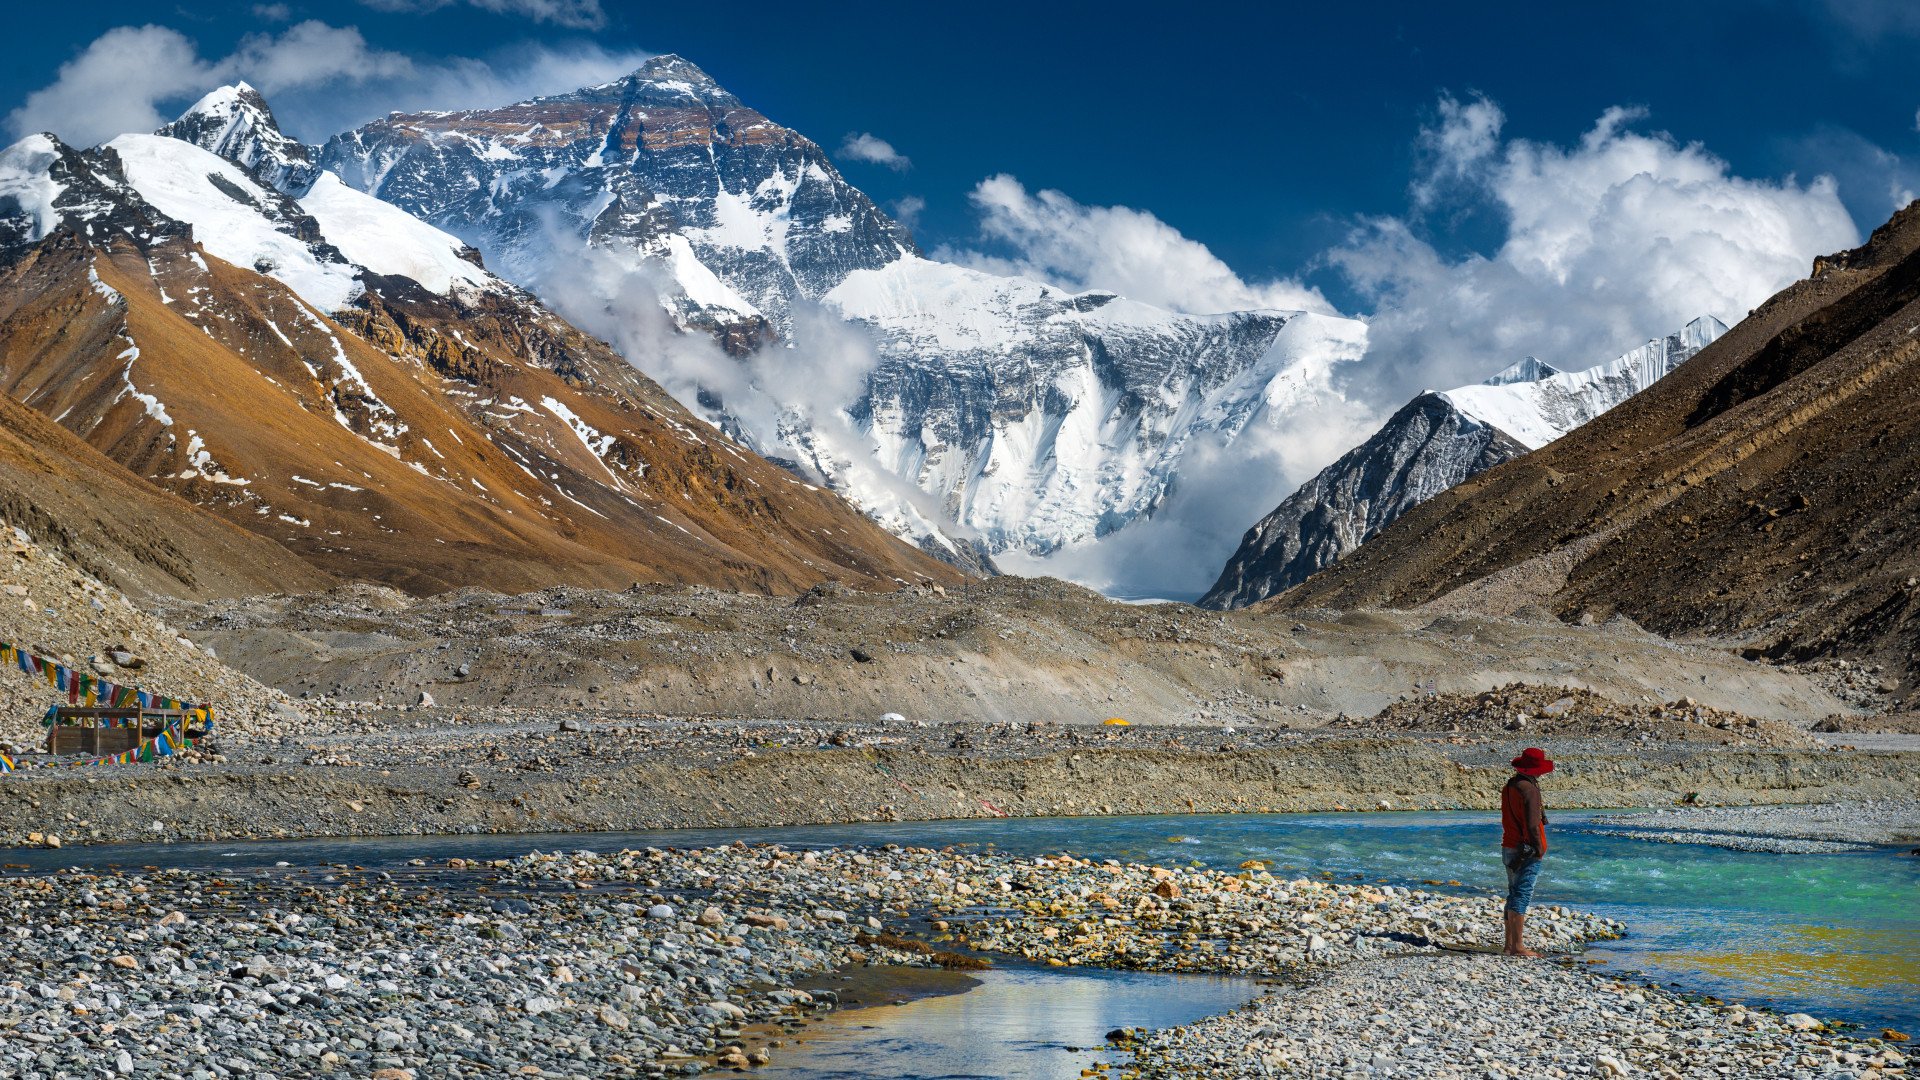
1523, 841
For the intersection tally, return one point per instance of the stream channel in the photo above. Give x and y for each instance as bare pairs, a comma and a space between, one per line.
1835, 935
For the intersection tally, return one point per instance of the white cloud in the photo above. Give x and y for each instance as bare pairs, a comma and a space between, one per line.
272, 12
578, 14
1619, 237
907, 210
111, 87
1050, 237
311, 54
1466, 137
873, 150
320, 79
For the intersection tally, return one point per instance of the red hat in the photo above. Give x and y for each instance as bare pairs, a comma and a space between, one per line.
1532, 762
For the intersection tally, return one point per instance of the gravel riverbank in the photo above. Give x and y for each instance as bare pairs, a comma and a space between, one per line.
661, 962
1449, 1016
1851, 825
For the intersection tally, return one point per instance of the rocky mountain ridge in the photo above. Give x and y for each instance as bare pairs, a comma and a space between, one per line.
1764, 492
1436, 441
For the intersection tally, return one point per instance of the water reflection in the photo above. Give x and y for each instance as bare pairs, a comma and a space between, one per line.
1017, 1023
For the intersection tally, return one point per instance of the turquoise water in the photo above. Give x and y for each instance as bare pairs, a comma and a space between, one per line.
1834, 935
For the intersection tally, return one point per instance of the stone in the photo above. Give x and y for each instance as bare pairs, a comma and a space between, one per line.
860, 655
1166, 889
425, 700
1801, 1022
712, 917
123, 1063
127, 962
570, 724
660, 911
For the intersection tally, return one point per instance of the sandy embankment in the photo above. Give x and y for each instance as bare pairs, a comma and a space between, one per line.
677, 774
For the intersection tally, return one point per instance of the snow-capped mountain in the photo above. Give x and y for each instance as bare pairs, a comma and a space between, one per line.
990, 412
746, 216
320, 367
1434, 442
235, 123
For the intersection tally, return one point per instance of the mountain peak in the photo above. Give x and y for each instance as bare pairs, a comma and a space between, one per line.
668, 76
1527, 369
671, 66
235, 123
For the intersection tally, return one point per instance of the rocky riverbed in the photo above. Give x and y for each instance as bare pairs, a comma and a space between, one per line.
1851, 825
1451, 1016
662, 962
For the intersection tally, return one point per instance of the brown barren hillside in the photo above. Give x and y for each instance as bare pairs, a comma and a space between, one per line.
1767, 491
123, 531
422, 440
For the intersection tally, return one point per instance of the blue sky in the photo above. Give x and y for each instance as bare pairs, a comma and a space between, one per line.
1313, 146
1259, 130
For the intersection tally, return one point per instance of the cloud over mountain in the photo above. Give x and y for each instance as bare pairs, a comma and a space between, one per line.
1050, 237
321, 78
1605, 241
577, 14
874, 150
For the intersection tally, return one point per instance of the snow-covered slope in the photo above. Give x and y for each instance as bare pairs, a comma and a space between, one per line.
387, 240
1041, 419
1434, 442
983, 412
236, 219
1537, 411
255, 199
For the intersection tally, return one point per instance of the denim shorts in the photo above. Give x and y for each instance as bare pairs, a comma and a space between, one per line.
1520, 879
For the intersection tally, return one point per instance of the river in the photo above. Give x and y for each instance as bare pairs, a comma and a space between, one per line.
1835, 935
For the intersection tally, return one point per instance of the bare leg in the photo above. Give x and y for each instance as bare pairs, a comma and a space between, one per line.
1517, 932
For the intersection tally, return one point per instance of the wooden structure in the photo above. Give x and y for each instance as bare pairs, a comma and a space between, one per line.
102, 730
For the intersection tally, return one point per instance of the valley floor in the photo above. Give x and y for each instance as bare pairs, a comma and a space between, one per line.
406, 772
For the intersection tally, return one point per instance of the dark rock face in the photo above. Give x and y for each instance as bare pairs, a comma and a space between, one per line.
662, 152
235, 123
1426, 448
61, 186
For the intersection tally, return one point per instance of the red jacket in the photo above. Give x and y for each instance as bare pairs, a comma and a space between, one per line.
1523, 819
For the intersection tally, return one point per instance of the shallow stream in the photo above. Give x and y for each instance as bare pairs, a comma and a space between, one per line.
1834, 935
